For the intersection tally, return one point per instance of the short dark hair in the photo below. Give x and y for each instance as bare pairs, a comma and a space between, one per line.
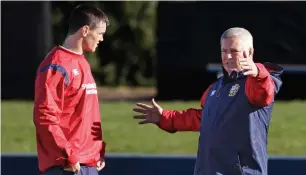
86, 14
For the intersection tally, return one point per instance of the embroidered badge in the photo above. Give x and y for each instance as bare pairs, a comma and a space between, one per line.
234, 90
213, 92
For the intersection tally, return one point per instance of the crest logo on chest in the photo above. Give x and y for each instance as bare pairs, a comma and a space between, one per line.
234, 90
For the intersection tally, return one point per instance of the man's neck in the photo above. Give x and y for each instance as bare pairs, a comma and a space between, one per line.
73, 44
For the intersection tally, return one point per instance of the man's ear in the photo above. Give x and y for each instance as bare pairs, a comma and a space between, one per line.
85, 30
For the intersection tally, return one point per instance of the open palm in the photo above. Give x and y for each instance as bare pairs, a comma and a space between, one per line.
149, 113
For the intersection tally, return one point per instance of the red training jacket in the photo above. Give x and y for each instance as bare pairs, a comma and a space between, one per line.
66, 112
259, 90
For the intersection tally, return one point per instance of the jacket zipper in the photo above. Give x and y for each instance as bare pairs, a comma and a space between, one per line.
239, 165
220, 86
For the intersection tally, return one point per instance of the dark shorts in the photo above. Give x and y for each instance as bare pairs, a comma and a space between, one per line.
60, 171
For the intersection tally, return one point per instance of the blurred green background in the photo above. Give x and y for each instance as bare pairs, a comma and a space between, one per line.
123, 134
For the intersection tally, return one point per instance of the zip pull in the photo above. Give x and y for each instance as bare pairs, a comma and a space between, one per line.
219, 87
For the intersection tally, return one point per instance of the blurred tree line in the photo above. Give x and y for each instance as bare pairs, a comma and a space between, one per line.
127, 55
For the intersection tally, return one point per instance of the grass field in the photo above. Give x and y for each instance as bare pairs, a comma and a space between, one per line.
124, 135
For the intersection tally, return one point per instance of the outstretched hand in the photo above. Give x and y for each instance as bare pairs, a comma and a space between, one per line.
149, 113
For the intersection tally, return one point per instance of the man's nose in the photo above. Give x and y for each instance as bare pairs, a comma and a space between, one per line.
229, 56
101, 39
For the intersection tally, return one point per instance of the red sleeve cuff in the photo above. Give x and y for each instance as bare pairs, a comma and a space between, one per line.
165, 121
262, 71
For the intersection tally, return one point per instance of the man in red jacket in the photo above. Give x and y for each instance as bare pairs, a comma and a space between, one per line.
66, 109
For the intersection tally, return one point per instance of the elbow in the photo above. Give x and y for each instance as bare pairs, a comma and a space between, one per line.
265, 103
260, 96
268, 96
263, 100
267, 100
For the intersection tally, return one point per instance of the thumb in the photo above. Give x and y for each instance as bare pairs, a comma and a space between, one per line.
245, 54
154, 103
160, 109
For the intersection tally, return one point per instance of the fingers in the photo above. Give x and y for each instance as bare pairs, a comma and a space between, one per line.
246, 67
140, 116
243, 61
244, 64
76, 170
248, 72
68, 169
144, 122
145, 106
100, 168
142, 105
100, 165
143, 111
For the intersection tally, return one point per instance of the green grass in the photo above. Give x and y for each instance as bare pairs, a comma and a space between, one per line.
124, 135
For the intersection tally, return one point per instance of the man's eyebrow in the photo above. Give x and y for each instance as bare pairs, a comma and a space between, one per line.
231, 49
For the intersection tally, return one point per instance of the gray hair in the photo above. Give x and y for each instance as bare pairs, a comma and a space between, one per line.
240, 33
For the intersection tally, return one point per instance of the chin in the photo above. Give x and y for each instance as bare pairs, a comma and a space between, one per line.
91, 49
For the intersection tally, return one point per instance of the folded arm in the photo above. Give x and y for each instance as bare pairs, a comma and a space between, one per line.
186, 120
260, 90
49, 95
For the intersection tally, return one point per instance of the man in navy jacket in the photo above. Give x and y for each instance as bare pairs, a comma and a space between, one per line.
235, 114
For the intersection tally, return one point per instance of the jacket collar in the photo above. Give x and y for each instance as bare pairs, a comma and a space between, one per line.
233, 76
